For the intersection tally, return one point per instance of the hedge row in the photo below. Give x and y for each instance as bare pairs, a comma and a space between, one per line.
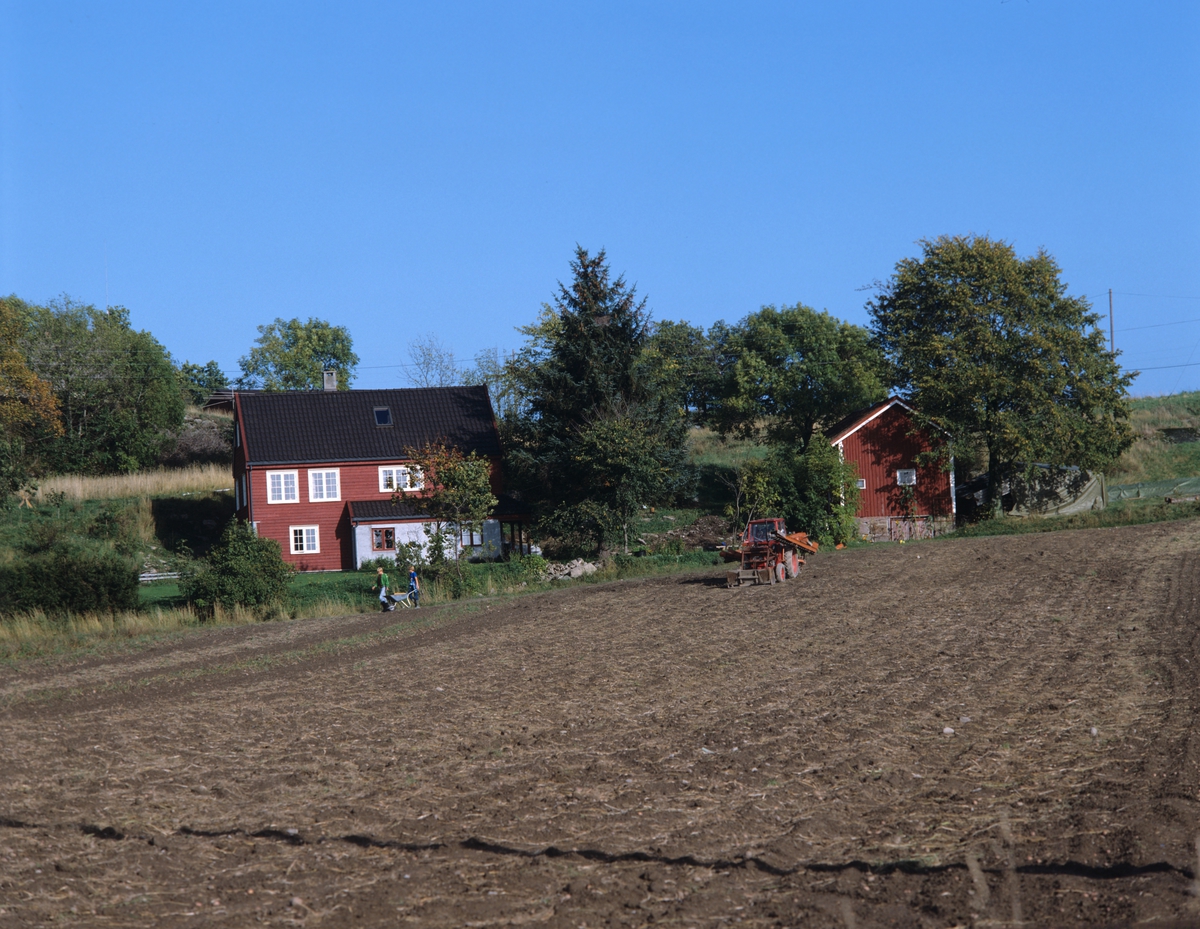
63, 580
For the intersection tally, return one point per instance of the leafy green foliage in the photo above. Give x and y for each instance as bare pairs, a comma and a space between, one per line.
795, 369
458, 493
117, 390
199, 382
755, 490
587, 383
817, 490
623, 462
991, 347
242, 569
27, 402
292, 355
67, 578
683, 364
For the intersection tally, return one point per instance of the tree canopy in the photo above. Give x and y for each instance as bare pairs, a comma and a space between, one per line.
27, 402
292, 355
586, 383
793, 369
992, 347
458, 492
683, 362
118, 394
199, 382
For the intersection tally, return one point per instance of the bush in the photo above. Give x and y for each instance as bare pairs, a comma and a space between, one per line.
817, 490
62, 579
242, 569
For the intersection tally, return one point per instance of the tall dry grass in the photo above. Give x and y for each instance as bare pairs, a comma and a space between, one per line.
165, 482
36, 633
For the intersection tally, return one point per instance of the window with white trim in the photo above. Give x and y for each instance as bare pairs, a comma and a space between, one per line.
862, 483
398, 477
281, 487
907, 477
305, 539
323, 485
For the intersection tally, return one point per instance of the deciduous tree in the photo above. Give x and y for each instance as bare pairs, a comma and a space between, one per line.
458, 490
199, 382
292, 355
793, 369
682, 362
431, 364
118, 393
992, 347
27, 402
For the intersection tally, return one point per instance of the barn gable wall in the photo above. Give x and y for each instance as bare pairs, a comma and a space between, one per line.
884, 446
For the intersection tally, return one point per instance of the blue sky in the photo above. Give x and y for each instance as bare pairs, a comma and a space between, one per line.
407, 170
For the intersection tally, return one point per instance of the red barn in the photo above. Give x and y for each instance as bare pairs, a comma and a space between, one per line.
317, 470
899, 497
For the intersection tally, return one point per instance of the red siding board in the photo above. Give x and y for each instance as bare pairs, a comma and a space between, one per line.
357, 481
884, 446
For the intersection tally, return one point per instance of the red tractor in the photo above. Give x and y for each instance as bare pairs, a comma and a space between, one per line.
768, 553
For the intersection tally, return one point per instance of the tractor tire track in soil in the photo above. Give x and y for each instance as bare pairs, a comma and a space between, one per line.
971, 732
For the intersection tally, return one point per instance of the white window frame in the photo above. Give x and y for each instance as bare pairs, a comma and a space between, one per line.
907, 472
862, 483
392, 475
337, 480
304, 548
283, 476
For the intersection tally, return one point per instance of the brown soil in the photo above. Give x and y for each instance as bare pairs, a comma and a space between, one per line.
662, 751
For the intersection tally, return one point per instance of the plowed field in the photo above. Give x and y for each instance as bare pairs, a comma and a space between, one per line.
972, 732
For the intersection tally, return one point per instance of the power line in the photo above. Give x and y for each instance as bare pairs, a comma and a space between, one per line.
1126, 293
1180, 322
1190, 364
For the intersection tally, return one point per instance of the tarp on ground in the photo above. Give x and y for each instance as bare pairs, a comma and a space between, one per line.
1050, 491
1176, 487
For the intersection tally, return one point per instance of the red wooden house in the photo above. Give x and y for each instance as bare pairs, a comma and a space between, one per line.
899, 497
317, 470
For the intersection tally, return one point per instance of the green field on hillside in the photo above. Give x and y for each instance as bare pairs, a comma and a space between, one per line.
1167, 443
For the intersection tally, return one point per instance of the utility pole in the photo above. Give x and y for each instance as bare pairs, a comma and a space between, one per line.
1112, 346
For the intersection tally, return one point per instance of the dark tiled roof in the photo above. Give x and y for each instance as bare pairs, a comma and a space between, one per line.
379, 510
292, 427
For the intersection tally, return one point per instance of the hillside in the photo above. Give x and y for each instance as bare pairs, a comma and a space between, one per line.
1168, 440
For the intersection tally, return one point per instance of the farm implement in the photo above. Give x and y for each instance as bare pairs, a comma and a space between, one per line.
768, 554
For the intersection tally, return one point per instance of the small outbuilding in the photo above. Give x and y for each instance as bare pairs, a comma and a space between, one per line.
904, 490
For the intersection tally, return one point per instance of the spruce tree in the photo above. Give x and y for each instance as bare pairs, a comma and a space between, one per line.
597, 436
